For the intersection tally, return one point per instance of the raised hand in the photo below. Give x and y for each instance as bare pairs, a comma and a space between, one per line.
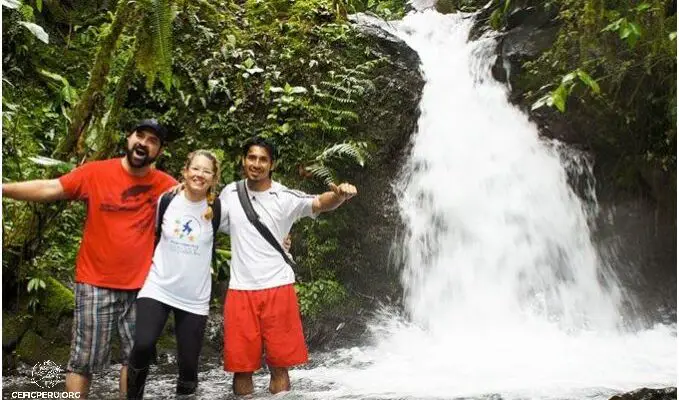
344, 190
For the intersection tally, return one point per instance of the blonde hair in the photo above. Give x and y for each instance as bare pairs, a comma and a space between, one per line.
212, 191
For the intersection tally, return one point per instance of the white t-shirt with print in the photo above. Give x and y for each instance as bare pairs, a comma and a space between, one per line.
180, 274
255, 263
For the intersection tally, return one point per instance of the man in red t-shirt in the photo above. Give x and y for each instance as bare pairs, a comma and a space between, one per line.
116, 249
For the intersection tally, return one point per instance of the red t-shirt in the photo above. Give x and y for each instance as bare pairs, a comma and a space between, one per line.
118, 238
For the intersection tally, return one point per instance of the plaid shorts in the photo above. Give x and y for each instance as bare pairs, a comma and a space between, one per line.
98, 311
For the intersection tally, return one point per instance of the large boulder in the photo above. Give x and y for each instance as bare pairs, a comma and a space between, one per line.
43, 335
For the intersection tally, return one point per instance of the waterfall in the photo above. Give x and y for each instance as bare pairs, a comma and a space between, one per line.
505, 292
495, 233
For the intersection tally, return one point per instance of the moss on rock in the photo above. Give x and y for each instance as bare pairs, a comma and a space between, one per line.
13, 326
57, 301
32, 348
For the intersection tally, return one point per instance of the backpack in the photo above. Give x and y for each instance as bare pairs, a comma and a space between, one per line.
165, 201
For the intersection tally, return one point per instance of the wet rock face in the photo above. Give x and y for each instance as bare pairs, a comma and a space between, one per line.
648, 394
530, 31
637, 229
519, 44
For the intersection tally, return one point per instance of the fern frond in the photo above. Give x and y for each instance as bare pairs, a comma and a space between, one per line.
155, 43
309, 126
161, 27
322, 172
352, 150
342, 114
342, 100
144, 58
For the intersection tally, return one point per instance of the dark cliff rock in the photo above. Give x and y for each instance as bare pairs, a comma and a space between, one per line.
648, 394
529, 31
372, 220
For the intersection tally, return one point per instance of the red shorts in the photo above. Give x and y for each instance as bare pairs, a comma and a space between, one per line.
268, 318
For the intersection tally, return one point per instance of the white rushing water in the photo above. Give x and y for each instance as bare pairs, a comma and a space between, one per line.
505, 293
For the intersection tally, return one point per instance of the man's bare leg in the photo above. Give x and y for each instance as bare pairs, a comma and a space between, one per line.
242, 383
123, 382
78, 383
280, 380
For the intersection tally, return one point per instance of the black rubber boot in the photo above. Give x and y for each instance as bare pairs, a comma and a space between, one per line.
136, 381
186, 387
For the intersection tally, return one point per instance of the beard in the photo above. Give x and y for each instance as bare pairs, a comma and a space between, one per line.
138, 156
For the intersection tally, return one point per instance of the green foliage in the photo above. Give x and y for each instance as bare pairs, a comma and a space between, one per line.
558, 97
499, 16
317, 241
67, 94
629, 55
315, 245
27, 14
628, 30
156, 56
292, 71
387, 9
318, 295
220, 269
322, 168
34, 287
288, 71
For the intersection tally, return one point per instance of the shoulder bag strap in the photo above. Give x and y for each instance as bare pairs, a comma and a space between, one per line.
216, 220
164, 201
254, 219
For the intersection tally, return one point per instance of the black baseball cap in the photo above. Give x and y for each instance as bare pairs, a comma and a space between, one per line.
152, 124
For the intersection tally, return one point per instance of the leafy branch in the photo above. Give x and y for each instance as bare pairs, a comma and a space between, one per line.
355, 152
558, 97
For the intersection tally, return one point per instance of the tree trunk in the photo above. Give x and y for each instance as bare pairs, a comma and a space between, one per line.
109, 138
83, 111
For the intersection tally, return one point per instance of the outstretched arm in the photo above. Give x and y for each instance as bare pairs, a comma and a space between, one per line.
334, 198
43, 190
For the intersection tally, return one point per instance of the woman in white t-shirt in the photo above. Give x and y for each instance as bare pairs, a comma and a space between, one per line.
180, 277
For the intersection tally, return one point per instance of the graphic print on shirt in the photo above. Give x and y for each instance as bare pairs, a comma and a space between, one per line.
134, 198
185, 235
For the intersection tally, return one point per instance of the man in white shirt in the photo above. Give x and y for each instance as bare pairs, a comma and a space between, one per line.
261, 310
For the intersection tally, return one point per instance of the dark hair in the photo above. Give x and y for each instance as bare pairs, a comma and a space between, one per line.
262, 142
